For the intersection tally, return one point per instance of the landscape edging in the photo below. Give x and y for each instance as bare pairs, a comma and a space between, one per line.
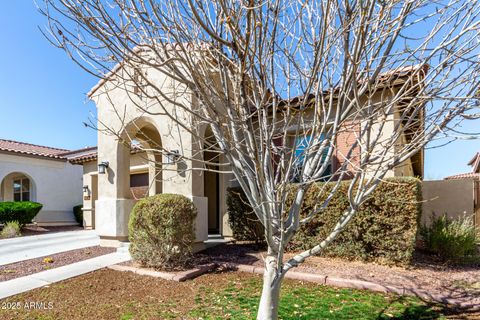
173, 276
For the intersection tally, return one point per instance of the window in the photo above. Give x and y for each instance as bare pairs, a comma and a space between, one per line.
21, 189
139, 180
301, 145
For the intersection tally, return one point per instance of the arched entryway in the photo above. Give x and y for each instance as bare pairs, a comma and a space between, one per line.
17, 186
212, 181
130, 157
141, 144
146, 162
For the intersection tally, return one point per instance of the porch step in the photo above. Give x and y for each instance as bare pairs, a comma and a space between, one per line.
123, 248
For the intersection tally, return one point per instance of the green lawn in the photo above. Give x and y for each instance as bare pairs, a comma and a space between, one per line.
311, 302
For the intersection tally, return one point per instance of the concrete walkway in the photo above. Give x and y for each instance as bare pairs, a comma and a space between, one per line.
37, 280
24, 248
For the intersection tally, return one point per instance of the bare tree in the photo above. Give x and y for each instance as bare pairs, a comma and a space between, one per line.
279, 81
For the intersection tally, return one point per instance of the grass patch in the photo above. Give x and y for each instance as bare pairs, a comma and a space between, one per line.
239, 300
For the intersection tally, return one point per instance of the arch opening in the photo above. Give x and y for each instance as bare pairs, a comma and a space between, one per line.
141, 150
18, 186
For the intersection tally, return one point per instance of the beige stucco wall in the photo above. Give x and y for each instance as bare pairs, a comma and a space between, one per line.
114, 202
55, 184
452, 197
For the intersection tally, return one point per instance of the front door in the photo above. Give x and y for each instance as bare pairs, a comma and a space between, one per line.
211, 188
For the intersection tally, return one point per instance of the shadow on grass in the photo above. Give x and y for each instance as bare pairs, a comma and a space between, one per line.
428, 311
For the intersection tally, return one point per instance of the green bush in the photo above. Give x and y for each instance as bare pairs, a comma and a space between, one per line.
162, 232
453, 240
78, 213
23, 212
242, 220
383, 230
10, 230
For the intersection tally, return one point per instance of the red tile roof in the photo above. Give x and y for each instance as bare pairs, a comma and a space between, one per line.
467, 175
474, 174
31, 149
475, 163
88, 155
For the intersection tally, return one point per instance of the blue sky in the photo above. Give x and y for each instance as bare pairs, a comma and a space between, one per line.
43, 94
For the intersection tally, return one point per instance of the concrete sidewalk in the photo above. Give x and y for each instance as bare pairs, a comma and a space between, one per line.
30, 247
37, 280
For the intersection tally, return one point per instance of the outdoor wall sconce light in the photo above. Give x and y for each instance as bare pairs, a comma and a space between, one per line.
102, 167
86, 193
173, 156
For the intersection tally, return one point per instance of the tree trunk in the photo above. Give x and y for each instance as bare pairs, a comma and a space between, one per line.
268, 307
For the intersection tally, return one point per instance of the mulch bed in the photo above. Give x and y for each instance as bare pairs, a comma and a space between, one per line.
34, 230
27, 267
426, 273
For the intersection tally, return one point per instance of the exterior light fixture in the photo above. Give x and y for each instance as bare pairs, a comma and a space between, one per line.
86, 193
102, 167
173, 156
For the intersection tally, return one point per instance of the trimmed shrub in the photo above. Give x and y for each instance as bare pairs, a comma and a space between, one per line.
162, 232
383, 230
453, 240
23, 212
242, 220
10, 230
78, 213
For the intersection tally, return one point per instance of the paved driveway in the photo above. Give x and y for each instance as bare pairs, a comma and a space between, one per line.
24, 248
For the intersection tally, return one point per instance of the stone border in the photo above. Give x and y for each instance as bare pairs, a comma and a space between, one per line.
360, 284
179, 276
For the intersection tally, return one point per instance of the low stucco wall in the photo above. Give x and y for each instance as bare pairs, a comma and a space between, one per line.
55, 184
452, 197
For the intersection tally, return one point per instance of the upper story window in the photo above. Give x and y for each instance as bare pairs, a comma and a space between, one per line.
21, 189
302, 145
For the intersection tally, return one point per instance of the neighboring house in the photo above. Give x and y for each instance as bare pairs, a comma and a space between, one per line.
31, 172
456, 196
474, 174
124, 175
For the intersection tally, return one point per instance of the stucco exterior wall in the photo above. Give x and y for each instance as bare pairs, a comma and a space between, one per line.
452, 197
55, 184
118, 111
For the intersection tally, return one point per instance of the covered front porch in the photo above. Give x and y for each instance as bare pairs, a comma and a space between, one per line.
143, 161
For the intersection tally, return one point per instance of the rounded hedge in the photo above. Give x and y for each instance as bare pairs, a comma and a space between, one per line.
23, 211
78, 214
162, 232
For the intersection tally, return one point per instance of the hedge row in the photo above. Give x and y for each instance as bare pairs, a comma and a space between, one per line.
23, 211
383, 230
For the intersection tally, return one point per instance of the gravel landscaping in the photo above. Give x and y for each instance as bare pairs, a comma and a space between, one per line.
27, 267
426, 274
108, 294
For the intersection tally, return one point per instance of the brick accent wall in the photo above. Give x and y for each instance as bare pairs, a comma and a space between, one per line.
139, 192
345, 139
